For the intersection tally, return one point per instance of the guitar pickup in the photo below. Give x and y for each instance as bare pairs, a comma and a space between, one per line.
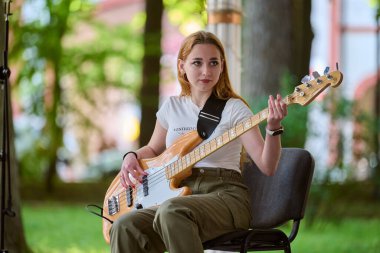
145, 185
129, 195
113, 205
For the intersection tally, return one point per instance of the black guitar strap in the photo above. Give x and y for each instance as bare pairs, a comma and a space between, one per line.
210, 116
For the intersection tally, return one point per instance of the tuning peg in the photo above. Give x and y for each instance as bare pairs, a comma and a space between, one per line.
337, 66
326, 71
305, 79
316, 75
299, 91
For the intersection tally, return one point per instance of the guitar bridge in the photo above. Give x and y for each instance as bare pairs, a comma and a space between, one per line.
113, 205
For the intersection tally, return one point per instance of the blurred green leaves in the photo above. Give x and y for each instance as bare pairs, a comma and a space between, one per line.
64, 55
67, 58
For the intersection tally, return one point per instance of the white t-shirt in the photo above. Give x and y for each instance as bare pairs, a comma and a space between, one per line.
179, 115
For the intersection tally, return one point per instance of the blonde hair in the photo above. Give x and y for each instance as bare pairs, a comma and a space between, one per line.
223, 89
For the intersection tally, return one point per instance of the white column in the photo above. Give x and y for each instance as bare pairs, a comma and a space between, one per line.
224, 20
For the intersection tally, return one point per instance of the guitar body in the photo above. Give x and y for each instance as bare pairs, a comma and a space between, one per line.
157, 188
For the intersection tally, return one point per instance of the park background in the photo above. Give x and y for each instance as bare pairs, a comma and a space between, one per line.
88, 76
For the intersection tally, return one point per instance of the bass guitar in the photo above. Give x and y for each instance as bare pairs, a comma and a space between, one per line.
166, 171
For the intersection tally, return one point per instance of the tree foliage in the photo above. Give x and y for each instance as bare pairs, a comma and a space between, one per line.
59, 71
67, 61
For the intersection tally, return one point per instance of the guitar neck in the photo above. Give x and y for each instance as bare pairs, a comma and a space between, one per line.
204, 150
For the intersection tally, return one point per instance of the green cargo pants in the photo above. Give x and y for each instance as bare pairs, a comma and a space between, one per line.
219, 204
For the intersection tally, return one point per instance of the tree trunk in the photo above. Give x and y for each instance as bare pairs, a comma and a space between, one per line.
14, 238
54, 126
149, 93
277, 37
277, 40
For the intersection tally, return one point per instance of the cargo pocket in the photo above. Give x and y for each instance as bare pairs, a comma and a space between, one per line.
143, 241
236, 199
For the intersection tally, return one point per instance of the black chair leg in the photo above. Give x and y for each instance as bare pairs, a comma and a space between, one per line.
246, 242
244, 247
287, 249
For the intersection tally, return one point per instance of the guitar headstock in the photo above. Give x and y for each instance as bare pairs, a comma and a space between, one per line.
306, 92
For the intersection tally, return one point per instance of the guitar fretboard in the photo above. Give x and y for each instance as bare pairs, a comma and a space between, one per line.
214, 144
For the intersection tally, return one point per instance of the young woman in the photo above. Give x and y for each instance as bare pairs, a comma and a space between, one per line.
219, 200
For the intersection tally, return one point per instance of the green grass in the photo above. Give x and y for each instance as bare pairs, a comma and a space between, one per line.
348, 235
69, 228
58, 228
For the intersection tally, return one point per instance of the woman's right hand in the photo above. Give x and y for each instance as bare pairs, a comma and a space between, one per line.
131, 171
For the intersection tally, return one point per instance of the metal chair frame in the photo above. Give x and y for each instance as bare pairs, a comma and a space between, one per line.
274, 200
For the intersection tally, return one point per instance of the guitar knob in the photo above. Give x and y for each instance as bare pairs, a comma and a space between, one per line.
326, 71
138, 206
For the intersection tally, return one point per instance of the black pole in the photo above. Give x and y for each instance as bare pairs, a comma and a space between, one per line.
5, 158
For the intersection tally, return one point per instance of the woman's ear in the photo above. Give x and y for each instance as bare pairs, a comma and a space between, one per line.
181, 64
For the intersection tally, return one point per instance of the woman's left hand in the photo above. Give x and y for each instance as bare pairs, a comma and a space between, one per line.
277, 112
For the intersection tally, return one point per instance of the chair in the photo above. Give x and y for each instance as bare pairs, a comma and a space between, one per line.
274, 200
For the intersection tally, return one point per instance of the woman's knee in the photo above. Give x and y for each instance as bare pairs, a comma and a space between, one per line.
172, 211
121, 224
132, 221
173, 206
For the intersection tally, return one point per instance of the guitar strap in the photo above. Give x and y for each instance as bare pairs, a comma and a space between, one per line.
210, 116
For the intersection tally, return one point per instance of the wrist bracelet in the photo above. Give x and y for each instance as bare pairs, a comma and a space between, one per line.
275, 132
130, 152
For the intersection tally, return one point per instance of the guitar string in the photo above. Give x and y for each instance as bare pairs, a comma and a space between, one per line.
123, 192
155, 178
151, 178
138, 183
139, 192
158, 179
139, 188
153, 181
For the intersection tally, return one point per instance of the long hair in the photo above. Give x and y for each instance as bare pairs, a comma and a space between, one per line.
223, 89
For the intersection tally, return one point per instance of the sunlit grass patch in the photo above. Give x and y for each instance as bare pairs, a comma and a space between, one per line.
51, 228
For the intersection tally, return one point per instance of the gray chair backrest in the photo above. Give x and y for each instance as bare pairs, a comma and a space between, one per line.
282, 197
